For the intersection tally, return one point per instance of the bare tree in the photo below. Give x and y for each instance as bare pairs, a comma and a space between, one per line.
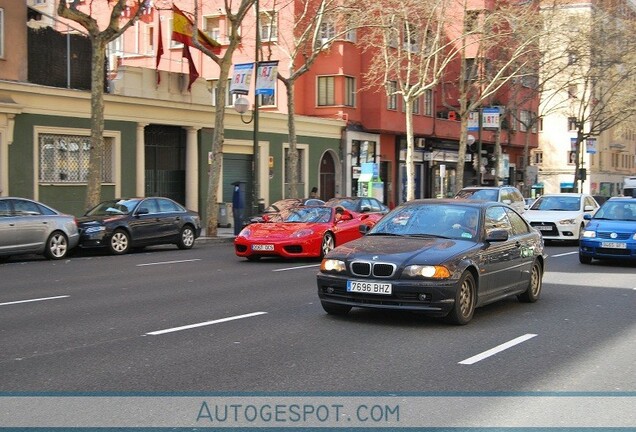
599, 83
99, 41
316, 26
235, 15
497, 45
414, 49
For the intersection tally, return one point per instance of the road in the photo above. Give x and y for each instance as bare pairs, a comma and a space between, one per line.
203, 320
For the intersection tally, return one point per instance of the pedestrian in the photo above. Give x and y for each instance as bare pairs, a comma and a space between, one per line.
314, 192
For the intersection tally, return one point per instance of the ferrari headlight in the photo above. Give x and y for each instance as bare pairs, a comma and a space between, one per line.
302, 233
245, 232
434, 272
589, 234
567, 222
332, 265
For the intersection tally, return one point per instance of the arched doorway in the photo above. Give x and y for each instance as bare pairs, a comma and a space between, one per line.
327, 186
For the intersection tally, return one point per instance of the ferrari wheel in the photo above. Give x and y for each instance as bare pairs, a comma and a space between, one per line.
328, 243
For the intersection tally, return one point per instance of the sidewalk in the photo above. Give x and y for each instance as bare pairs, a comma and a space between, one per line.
223, 235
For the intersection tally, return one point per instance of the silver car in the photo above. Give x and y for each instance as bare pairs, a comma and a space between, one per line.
30, 227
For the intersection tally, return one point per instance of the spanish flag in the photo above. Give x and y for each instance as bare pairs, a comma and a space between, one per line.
182, 28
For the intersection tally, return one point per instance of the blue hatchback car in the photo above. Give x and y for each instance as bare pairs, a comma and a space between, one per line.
611, 233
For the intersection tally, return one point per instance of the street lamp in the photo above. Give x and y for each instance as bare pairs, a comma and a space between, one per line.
242, 104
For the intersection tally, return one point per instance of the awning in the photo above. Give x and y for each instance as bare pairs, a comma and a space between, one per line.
537, 186
365, 177
565, 185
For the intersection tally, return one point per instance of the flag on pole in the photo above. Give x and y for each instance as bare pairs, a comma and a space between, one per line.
183, 28
159, 51
193, 70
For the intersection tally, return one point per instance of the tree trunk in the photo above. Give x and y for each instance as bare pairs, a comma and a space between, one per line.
95, 169
292, 155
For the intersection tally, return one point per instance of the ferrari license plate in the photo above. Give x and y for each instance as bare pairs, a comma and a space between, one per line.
263, 247
614, 245
369, 287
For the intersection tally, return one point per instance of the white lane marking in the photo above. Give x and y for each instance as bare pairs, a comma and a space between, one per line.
296, 268
191, 326
34, 300
168, 262
497, 349
564, 254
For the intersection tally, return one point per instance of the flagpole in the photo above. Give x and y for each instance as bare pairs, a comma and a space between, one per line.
255, 157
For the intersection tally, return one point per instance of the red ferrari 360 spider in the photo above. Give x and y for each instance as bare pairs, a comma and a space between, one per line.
305, 232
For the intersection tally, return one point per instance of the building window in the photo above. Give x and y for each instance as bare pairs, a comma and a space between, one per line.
326, 91
535, 120
350, 91
391, 95
230, 98
213, 27
65, 158
409, 39
1, 33
416, 105
300, 187
267, 100
173, 43
538, 157
573, 58
428, 103
150, 43
327, 30
351, 34
572, 123
572, 91
571, 157
524, 121
269, 26
471, 20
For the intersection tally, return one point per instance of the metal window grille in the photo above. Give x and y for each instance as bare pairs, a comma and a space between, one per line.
65, 158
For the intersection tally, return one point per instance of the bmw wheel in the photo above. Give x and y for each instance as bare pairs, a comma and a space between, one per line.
119, 242
533, 291
186, 238
56, 246
328, 243
465, 301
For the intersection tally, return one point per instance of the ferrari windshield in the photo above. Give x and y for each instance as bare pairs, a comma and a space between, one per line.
309, 214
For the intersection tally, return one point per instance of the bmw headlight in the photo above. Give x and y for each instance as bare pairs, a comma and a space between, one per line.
332, 265
433, 272
567, 222
94, 229
589, 234
302, 233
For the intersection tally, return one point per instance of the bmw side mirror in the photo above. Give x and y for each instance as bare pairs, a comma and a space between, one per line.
497, 235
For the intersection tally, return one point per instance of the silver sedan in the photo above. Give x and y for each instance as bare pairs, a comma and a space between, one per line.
30, 227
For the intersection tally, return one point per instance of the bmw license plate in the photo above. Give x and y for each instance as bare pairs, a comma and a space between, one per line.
263, 247
369, 287
614, 245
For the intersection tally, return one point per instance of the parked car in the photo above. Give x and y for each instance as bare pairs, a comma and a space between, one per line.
560, 216
30, 227
122, 224
611, 232
359, 204
528, 202
422, 257
276, 211
305, 232
504, 194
